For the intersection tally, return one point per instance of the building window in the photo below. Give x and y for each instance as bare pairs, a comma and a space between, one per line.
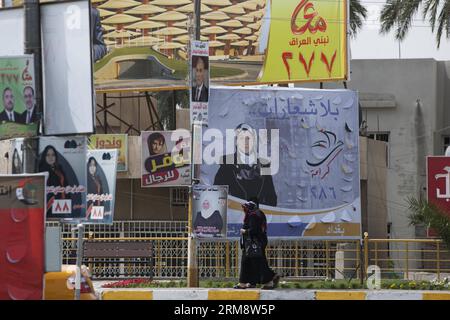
179, 197
380, 136
446, 140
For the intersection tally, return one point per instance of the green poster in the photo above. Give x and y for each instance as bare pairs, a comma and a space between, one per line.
18, 112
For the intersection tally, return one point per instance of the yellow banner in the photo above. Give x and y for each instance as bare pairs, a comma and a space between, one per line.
307, 41
112, 141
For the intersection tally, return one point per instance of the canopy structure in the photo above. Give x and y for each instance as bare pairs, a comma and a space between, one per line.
215, 15
120, 19
228, 36
215, 44
213, 30
246, 18
170, 16
145, 9
245, 31
183, 24
105, 13
231, 24
190, 8
251, 38
217, 3
145, 24
170, 31
170, 2
185, 38
242, 43
121, 34
108, 28
236, 9
119, 4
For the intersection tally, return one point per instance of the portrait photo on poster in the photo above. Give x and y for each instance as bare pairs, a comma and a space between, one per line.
210, 211
101, 172
63, 159
200, 78
165, 158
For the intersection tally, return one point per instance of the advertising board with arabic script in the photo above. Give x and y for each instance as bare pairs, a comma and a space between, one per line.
112, 141
64, 158
307, 41
296, 150
165, 158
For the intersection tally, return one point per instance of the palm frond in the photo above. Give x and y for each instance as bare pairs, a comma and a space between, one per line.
425, 213
358, 14
390, 15
443, 22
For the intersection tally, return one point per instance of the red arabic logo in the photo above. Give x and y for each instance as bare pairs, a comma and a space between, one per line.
320, 24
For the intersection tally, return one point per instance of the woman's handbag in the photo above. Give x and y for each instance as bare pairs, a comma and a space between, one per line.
252, 248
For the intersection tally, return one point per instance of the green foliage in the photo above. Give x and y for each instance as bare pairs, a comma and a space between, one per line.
357, 14
399, 15
425, 213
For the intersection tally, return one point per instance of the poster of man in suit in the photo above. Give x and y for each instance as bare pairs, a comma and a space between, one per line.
18, 113
199, 82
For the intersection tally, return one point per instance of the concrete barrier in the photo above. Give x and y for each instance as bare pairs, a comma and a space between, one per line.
256, 294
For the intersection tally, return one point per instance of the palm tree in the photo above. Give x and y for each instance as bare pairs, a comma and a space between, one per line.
357, 14
428, 214
399, 14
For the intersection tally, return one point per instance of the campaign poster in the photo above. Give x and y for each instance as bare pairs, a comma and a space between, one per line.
112, 141
294, 150
22, 225
19, 116
165, 158
199, 93
438, 185
64, 159
209, 207
101, 185
22, 155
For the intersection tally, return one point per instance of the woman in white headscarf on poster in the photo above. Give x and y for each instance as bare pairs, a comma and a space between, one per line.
208, 221
244, 176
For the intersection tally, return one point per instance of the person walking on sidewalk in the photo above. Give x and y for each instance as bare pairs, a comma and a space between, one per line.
254, 266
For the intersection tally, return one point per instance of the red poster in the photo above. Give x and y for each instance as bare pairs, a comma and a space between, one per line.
22, 203
438, 184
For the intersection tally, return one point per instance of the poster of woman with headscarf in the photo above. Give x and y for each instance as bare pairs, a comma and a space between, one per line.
63, 159
101, 168
210, 211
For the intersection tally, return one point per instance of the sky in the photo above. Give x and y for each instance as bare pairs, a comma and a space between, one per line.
420, 42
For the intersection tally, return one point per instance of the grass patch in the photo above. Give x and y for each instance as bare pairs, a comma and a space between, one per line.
180, 66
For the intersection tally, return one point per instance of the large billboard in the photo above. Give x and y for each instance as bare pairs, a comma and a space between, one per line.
438, 184
22, 223
19, 116
307, 41
148, 42
67, 68
64, 159
165, 158
12, 20
296, 150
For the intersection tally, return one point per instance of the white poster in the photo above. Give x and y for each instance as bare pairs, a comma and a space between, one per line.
67, 68
209, 207
101, 185
12, 33
199, 93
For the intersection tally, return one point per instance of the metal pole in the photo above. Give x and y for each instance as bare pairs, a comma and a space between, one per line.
197, 13
366, 253
33, 46
80, 228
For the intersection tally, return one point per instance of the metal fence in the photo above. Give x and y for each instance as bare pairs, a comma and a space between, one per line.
289, 258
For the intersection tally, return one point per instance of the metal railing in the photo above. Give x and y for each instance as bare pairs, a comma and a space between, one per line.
344, 259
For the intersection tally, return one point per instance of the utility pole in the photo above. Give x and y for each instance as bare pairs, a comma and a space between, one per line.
192, 268
33, 46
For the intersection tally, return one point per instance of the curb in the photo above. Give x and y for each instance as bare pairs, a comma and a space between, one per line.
230, 294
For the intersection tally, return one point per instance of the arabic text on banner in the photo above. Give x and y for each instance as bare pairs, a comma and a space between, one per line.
307, 41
